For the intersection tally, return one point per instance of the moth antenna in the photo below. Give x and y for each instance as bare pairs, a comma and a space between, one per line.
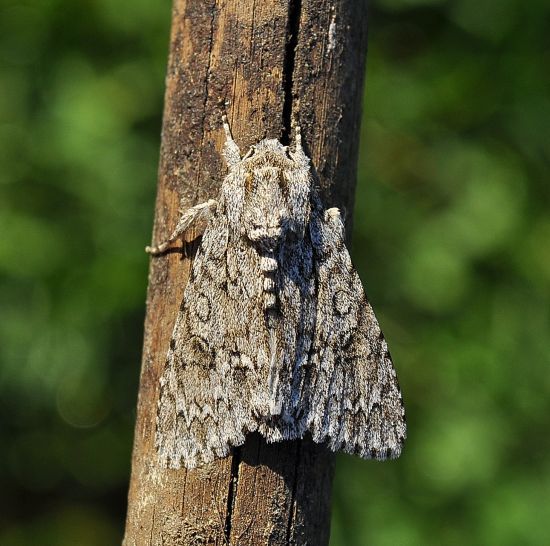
231, 151
298, 136
298, 154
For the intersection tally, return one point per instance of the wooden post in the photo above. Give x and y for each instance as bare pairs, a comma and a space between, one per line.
263, 62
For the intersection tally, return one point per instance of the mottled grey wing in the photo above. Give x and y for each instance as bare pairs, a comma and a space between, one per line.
354, 402
209, 387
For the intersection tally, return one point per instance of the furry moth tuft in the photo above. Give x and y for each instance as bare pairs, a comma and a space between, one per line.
275, 333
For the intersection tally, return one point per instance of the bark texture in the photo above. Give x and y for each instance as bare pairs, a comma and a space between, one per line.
264, 63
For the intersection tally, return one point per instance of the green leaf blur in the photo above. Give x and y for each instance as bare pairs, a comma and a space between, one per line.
451, 239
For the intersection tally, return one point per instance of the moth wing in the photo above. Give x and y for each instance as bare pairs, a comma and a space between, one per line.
208, 386
356, 404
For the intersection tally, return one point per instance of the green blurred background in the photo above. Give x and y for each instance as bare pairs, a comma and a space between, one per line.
452, 239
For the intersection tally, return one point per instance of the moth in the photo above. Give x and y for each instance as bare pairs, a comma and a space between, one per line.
275, 333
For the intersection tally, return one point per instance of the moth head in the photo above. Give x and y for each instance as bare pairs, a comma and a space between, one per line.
268, 149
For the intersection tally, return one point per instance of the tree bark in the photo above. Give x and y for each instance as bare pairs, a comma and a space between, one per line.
264, 63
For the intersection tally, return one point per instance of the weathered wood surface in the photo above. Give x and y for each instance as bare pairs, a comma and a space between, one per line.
262, 62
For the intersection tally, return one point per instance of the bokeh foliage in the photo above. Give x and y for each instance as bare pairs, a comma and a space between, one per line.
452, 240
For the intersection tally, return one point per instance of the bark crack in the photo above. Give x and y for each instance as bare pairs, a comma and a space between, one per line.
293, 28
232, 492
292, 513
152, 525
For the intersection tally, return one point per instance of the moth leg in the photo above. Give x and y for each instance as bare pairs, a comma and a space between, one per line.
333, 215
186, 220
231, 151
